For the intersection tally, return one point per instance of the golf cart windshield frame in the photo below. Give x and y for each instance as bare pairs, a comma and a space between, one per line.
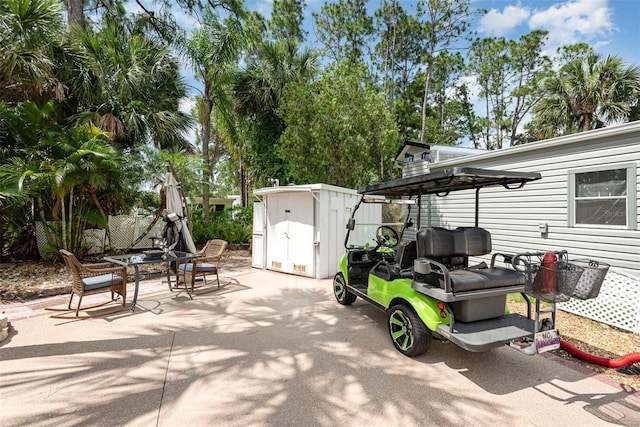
441, 183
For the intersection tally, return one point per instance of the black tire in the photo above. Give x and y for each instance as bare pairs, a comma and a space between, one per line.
409, 335
340, 291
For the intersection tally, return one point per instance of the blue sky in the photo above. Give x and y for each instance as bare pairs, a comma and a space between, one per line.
612, 27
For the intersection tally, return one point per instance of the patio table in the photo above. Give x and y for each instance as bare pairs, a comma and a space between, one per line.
138, 259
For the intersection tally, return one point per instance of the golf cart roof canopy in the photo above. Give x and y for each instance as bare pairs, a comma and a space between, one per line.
447, 180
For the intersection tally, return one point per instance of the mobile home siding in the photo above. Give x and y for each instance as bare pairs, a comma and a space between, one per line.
513, 217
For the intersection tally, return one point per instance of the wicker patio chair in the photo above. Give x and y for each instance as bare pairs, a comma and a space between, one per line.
205, 265
87, 279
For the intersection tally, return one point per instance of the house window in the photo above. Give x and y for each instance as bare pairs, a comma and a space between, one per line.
603, 196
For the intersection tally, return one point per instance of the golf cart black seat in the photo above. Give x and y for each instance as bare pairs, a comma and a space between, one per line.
405, 256
401, 266
443, 257
448, 247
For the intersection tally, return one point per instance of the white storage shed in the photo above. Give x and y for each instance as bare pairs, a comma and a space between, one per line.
300, 229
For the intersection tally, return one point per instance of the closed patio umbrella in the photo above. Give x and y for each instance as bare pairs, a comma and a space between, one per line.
176, 231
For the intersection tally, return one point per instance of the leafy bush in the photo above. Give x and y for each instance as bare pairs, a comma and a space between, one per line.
234, 225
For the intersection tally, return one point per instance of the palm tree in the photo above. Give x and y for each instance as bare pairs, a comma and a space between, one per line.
134, 89
31, 33
75, 12
62, 168
258, 91
212, 52
259, 88
586, 93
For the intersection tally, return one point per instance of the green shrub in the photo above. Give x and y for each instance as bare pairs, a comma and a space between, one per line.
234, 225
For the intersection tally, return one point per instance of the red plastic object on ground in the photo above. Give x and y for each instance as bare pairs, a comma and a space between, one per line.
548, 272
620, 362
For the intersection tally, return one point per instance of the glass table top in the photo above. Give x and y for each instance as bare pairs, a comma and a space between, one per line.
150, 257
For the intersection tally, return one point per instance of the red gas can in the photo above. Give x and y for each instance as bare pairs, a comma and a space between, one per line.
548, 272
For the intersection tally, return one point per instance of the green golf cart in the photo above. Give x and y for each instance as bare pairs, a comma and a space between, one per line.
426, 284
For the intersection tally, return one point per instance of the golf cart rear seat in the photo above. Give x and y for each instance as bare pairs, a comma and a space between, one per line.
442, 262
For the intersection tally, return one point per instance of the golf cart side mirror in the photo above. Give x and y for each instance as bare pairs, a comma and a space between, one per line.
351, 224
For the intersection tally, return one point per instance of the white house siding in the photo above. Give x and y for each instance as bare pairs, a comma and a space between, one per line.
417, 167
513, 216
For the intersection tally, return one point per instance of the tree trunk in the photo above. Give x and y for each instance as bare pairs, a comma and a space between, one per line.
206, 135
586, 125
75, 12
63, 221
487, 130
244, 193
1, 235
393, 60
424, 103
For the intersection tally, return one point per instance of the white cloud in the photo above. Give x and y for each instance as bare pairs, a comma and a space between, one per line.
184, 19
497, 23
132, 7
264, 7
186, 105
575, 21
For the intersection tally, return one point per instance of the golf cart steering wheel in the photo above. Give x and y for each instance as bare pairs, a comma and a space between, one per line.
387, 237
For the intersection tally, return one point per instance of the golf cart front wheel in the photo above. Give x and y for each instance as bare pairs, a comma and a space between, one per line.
409, 335
340, 291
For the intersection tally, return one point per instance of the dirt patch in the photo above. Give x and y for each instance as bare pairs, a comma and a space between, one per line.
32, 279
29, 279
597, 339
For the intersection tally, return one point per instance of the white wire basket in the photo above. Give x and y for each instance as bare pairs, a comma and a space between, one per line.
588, 286
552, 282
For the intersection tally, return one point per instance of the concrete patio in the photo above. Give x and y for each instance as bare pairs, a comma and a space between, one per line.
272, 349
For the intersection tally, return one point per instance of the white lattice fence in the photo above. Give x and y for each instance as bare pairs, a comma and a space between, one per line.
41, 237
125, 229
618, 303
156, 230
95, 239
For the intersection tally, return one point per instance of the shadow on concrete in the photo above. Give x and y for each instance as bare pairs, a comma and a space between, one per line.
287, 356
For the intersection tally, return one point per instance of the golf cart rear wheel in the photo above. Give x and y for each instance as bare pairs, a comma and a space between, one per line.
409, 335
340, 291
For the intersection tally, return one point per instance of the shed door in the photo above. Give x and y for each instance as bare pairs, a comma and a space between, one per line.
290, 228
258, 243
